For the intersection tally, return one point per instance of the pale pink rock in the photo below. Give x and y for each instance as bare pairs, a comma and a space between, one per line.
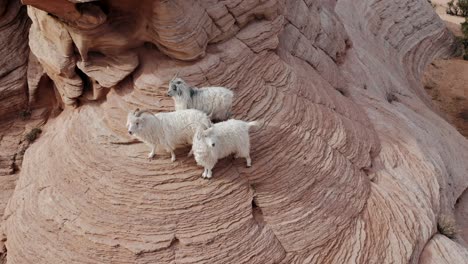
351, 164
14, 51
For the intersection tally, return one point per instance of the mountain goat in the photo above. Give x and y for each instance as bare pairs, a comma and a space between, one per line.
221, 140
214, 101
168, 130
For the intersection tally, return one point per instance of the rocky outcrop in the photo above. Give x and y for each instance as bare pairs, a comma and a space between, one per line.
442, 250
14, 25
20, 113
351, 164
445, 81
14, 52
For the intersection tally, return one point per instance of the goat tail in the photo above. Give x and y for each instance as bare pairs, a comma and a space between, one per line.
210, 124
255, 124
210, 116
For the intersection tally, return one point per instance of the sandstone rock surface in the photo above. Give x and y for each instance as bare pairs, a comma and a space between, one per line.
14, 53
447, 83
352, 164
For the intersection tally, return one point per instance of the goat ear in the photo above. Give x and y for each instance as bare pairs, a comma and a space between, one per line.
136, 111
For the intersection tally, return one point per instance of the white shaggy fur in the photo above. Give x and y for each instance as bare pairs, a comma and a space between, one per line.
168, 130
214, 101
221, 140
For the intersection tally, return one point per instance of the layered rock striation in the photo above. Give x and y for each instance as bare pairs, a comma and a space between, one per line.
351, 165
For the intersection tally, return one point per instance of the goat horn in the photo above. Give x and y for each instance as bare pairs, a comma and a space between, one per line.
175, 76
139, 112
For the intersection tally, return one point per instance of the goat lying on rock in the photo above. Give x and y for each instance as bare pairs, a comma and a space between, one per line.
214, 101
168, 130
221, 140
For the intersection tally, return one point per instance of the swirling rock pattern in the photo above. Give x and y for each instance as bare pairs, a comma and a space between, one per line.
14, 52
351, 164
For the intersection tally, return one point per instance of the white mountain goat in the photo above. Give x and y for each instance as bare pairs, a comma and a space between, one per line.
221, 140
168, 130
214, 101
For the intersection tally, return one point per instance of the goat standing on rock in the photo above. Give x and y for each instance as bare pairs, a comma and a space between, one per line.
169, 130
221, 140
214, 101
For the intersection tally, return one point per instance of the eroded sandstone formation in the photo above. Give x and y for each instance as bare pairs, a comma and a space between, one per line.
351, 164
14, 53
445, 81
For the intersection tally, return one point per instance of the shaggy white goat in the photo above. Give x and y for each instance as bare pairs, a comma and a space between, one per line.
214, 101
168, 130
221, 140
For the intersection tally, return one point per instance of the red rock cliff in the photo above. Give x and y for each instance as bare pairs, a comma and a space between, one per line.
352, 165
